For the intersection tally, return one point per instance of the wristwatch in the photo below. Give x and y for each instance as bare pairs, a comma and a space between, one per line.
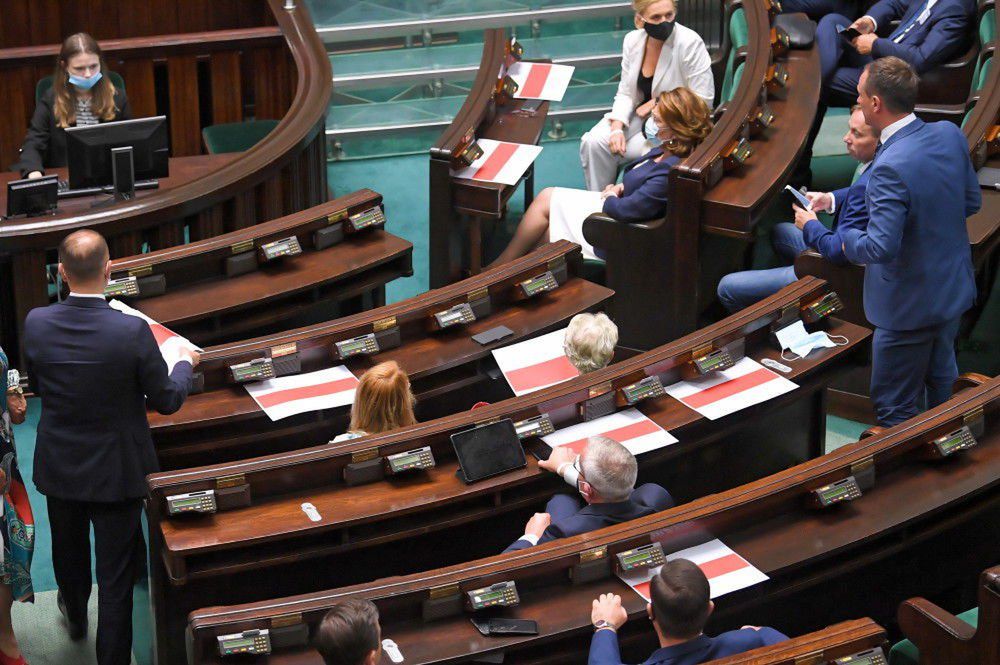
601, 624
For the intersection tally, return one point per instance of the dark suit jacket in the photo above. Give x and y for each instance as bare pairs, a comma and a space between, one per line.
852, 213
945, 33
645, 189
604, 647
645, 500
916, 247
45, 145
95, 370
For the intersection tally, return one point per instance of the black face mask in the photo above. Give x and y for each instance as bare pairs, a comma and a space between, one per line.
661, 31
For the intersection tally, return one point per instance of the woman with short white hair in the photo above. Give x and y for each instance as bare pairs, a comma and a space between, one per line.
658, 56
590, 341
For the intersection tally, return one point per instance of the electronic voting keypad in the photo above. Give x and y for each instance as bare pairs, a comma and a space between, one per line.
247, 643
501, 594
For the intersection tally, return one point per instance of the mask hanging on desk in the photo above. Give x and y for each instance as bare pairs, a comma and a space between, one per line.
85, 83
661, 31
800, 343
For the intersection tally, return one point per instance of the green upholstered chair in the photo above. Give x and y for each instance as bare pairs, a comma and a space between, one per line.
45, 83
905, 652
236, 136
987, 33
739, 35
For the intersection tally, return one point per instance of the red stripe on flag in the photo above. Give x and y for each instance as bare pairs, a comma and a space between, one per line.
496, 161
534, 84
723, 565
621, 435
161, 333
729, 388
542, 374
306, 392
642, 588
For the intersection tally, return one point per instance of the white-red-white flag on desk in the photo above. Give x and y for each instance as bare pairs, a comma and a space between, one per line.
630, 427
726, 570
170, 343
720, 393
501, 162
539, 80
290, 395
535, 363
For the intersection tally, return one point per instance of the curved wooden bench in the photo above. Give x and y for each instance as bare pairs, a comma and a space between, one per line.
712, 192
821, 563
284, 173
194, 294
206, 555
225, 423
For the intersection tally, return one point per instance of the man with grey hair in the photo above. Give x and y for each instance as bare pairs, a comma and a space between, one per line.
590, 341
604, 474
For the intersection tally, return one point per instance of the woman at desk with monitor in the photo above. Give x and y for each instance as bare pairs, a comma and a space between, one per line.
81, 94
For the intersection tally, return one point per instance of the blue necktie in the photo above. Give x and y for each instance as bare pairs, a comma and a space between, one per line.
905, 28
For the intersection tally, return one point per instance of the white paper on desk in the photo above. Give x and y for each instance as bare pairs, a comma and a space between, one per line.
290, 395
170, 343
726, 570
720, 393
539, 80
630, 427
501, 162
535, 363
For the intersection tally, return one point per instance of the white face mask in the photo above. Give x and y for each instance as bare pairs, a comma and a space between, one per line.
795, 339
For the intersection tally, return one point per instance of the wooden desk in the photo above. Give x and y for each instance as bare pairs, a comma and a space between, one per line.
822, 564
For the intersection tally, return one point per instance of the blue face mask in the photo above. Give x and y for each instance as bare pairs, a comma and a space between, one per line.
650, 129
84, 83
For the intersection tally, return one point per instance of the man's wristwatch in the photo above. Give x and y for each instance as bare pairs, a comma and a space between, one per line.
602, 624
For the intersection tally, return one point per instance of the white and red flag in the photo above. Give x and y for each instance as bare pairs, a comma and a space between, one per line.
535, 363
290, 395
630, 427
726, 570
539, 80
170, 343
720, 393
500, 162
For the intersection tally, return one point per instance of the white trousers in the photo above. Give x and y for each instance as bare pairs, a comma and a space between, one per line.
600, 165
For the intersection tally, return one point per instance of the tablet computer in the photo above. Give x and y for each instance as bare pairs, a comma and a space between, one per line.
488, 450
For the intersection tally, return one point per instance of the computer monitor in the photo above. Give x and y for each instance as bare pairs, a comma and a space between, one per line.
88, 150
35, 196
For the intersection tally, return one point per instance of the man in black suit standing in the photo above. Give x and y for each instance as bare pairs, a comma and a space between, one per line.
96, 370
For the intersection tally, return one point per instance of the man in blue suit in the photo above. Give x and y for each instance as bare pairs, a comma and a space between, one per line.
918, 277
742, 289
604, 474
96, 370
680, 595
930, 32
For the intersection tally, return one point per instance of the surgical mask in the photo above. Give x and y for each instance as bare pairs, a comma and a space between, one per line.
650, 129
84, 83
800, 343
661, 31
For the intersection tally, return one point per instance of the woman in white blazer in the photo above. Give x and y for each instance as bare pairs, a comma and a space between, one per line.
657, 57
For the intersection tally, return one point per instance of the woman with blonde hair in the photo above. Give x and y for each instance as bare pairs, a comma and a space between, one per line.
383, 402
659, 55
81, 94
683, 120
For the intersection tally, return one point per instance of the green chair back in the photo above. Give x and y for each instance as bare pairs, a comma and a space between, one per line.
236, 136
739, 35
45, 83
987, 31
905, 652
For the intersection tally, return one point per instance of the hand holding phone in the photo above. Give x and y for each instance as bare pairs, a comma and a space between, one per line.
800, 197
848, 34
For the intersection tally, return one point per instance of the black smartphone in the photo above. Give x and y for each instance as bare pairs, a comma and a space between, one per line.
848, 34
513, 627
540, 450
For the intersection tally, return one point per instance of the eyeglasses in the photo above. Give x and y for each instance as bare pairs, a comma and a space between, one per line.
579, 471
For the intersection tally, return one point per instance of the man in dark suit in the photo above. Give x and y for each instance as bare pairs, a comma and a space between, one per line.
96, 370
604, 474
742, 289
930, 32
918, 276
680, 606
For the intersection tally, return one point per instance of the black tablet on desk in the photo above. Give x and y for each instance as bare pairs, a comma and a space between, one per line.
488, 450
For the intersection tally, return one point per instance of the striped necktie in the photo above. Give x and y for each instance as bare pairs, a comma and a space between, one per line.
900, 33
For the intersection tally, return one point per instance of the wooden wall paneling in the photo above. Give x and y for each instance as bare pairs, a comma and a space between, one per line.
293, 187
140, 85
30, 287
208, 223
318, 169
227, 87
270, 204
97, 16
270, 83
241, 211
13, 19
166, 17
15, 85
168, 234
45, 22
184, 117
125, 244
135, 19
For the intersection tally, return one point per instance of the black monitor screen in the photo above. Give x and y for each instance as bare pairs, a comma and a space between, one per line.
488, 450
36, 196
88, 150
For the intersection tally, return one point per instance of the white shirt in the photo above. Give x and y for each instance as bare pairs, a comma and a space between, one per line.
684, 61
73, 294
896, 126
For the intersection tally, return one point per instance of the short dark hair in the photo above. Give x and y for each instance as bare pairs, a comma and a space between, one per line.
894, 81
348, 632
83, 255
680, 595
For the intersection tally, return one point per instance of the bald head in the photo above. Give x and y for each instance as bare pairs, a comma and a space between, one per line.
83, 260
